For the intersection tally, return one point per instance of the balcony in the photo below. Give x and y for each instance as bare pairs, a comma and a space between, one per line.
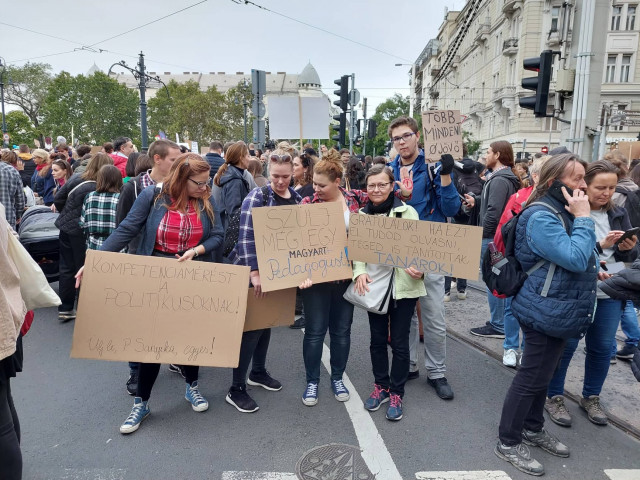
510, 47
507, 91
482, 34
435, 72
553, 38
510, 6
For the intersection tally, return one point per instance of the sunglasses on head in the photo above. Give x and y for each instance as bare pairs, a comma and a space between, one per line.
286, 158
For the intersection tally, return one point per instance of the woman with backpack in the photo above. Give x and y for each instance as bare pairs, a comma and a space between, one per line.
408, 286
610, 224
68, 201
255, 343
178, 220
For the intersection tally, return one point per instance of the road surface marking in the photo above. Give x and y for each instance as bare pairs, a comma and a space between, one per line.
471, 475
618, 474
258, 476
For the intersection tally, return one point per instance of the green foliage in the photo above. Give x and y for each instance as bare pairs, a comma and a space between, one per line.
97, 107
472, 145
20, 128
200, 116
27, 87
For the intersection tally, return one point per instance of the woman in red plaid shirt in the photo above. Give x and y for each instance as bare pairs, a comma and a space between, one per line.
324, 305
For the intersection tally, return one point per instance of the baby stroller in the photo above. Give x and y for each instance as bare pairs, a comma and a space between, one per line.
39, 236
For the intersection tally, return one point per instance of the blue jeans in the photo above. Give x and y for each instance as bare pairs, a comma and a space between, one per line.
629, 324
598, 339
511, 328
326, 309
496, 305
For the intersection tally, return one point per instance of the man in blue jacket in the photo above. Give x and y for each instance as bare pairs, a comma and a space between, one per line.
435, 198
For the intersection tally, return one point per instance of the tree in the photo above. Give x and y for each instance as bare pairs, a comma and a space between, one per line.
20, 128
391, 108
193, 114
472, 145
97, 107
28, 88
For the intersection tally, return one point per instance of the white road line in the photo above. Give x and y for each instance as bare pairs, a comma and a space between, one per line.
471, 475
618, 474
258, 476
374, 451
93, 474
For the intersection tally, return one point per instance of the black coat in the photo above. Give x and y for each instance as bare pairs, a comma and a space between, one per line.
69, 218
624, 285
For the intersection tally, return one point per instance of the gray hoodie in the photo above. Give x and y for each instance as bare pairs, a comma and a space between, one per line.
495, 194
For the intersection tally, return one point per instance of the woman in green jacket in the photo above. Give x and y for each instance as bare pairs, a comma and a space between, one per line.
407, 287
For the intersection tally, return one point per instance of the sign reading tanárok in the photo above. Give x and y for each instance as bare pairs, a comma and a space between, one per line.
156, 310
447, 249
297, 242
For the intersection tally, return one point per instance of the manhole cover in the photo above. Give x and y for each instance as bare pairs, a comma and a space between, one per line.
333, 462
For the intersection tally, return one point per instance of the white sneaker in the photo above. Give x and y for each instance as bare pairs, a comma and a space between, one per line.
462, 295
510, 358
447, 297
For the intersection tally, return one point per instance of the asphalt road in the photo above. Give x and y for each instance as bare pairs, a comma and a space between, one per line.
70, 411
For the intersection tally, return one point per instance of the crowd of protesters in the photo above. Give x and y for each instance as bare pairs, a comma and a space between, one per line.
167, 202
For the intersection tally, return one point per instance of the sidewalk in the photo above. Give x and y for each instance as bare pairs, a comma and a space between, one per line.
620, 394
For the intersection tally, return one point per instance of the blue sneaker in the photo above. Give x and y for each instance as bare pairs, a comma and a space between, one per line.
139, 412
193, 396
310, 395
378, 397
339, 390
394, 412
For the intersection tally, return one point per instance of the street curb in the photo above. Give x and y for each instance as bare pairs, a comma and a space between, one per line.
614, 420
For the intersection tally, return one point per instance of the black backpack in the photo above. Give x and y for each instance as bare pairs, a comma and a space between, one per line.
503, 273
631, 205
232, 233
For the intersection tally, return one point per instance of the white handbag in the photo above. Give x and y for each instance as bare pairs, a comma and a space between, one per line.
34, 286
377, 299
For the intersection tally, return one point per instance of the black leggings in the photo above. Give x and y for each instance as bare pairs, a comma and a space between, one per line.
148, 372
10, 455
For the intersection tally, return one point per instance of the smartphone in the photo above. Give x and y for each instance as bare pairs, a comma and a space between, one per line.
628, 234
555, 190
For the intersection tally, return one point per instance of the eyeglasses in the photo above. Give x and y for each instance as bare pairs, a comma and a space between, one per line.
200, 184
286, 158
404, 137
377, 186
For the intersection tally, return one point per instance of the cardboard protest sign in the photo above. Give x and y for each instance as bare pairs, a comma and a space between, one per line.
156, 310
441, 133
276, 309
297, 242
447, 249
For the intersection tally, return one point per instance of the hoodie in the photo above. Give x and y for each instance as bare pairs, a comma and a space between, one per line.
495, 194
234, 187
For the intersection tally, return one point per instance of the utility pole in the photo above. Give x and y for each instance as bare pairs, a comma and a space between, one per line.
4, 121
354, 99
364, 127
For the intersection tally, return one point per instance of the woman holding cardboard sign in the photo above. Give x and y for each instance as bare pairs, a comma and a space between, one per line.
178, 220
405, 285
324, 305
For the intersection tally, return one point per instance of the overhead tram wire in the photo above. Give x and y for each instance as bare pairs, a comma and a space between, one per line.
310, 25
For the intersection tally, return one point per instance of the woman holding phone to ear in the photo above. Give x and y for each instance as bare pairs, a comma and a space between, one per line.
611, 222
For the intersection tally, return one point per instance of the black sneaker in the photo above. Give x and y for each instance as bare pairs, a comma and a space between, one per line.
443, 389
66, 316
265, 381
298, 323
132, 384
413, 375
176, 369
487, 332
627, 352
239, 398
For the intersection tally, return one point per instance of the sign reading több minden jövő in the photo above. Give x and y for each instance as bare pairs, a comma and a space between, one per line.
442, 134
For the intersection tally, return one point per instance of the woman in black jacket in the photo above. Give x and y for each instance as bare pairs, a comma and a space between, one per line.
610, 223
68, 201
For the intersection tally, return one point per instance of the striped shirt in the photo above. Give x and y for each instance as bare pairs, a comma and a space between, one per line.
98, 217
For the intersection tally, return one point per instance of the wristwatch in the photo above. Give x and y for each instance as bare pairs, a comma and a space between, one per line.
195, 252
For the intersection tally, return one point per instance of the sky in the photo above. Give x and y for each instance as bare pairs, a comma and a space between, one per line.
225, 36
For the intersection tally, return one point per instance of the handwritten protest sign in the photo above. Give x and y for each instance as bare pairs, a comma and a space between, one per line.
447, 249
276, 309
297, 242
441, 134
156, 310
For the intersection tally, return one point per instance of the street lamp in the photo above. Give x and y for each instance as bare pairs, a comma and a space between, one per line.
413, 84
4, 121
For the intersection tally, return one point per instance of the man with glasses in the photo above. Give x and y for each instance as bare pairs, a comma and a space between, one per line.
435, 198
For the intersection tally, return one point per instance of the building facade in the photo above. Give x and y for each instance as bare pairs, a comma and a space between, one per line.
475, 66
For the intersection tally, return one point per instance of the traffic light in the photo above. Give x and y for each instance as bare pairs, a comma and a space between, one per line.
342, 92
539, 84
341, 129
373, 129
544, 149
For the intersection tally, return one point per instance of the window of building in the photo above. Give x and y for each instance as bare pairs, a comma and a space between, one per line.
616, 13
631, 16
625, 68
482, 92
610, 73
555, 18
618, 128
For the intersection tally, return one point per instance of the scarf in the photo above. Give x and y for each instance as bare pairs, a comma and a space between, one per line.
385, 207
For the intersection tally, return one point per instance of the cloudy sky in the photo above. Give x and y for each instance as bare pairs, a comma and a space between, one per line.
225, 36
